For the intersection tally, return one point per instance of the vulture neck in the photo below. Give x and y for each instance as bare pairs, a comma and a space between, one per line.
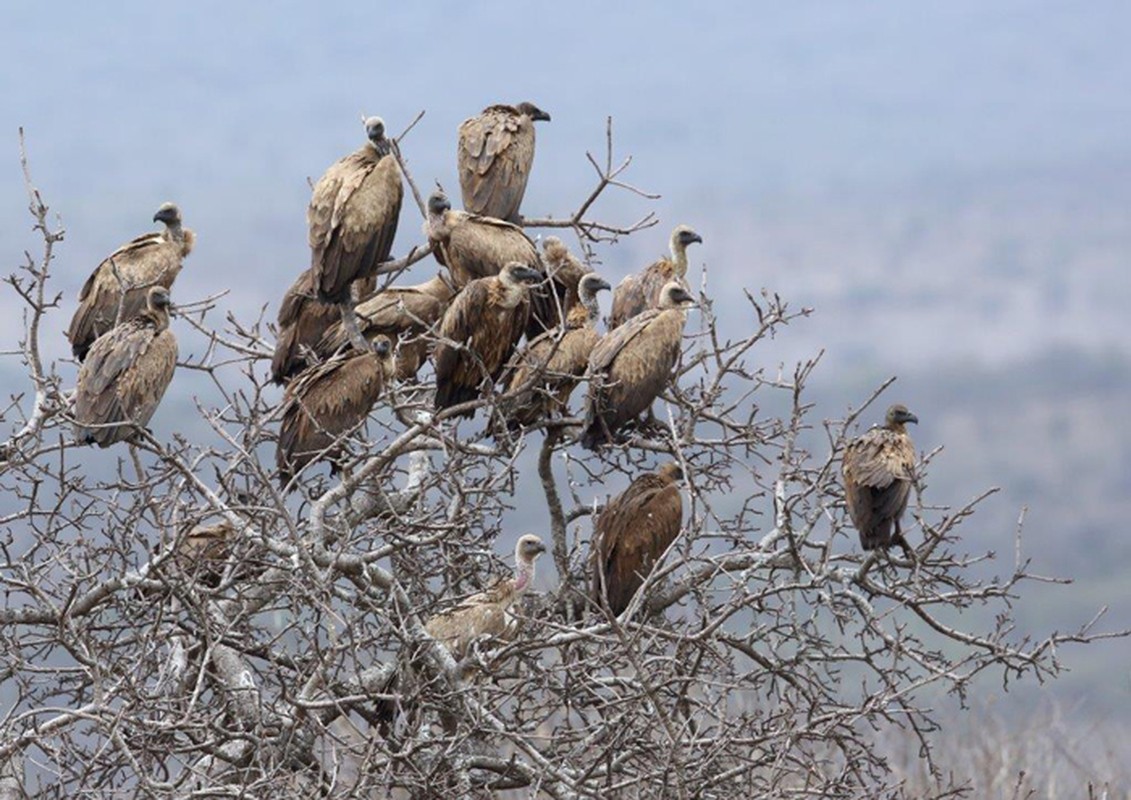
679, 258
157, 317
382, 147
174, 232
585, 312
510, 294
897, 427
523, 575
440, 225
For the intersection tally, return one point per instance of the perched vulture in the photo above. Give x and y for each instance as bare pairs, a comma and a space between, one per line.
405, 314
632, 364
353, 215
550, 366
496, 151
551, 302
202, 552
632, 532
640, 292
326, 402
125, 374
878, 469
483, 325
488, 613
150, 260
303, 321
471, 246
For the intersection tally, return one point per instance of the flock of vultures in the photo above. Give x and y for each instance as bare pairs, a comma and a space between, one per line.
496, 290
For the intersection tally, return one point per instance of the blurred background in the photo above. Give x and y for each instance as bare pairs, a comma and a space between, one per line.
948, 186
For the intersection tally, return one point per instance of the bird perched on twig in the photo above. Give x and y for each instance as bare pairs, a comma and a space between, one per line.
640, 292
495, 154
878, 468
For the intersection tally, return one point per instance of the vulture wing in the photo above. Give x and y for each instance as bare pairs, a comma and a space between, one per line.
483, 614
303, 320
480, 247
877, 469
496, 152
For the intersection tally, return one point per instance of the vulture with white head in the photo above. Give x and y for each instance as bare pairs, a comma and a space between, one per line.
496, 152
878, 468
472, 246
640, 292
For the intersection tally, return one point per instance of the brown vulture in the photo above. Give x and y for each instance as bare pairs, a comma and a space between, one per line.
405, 314
303, 320
150, 260
551, 302
496, 151
353, 215
632, 532
125, 375
640, 292
878, 469
479, 332
488, 613
550, 366
326, 402
471, 246
632, 364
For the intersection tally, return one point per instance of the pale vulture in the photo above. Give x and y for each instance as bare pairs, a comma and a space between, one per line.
640, 292
496, 152
878, 468
472, 246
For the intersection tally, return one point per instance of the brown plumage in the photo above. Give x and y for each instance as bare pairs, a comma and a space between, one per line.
203, 551
326, 402
495, 153
303, 321
550, 366
632, 532
484, 322
353, 215
878, 468
471, 246
551, 302
125, 375
488, 613
405, 314
153, 259
640, 292
632, 365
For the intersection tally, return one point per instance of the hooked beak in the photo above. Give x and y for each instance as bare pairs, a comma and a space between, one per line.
528, 275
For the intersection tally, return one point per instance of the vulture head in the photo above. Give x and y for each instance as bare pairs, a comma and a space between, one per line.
534, 112
438, 203
529, 547
682, 236
517, 274
590, 284
375, 129
673, 295
169, 214
158, 299
898, 416
670, 472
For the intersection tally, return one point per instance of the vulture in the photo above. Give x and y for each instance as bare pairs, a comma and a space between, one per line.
632, 364
479, 332
632, 532
488, 613
550, 366
496, 151
125, 374
640, 292
405, 314
471, 246
150, 260
353, 215
550, 303
878, 469
303, 320
327, 401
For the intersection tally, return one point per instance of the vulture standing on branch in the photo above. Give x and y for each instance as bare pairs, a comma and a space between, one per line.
488, 613
633, 532
353, 215
550, 366
303, 320
479, 332
878, 469
471, 246
551, 303
150, 260
125, 375
405, 314
496, 151
328, 401
640, 292
632, 365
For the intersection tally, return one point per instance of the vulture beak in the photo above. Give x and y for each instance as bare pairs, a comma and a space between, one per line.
381, 347
539, 547
528, 275
911, 418
682, 296
600, 284
542, 116
694, 237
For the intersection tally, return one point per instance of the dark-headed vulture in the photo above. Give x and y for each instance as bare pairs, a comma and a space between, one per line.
640, 292
326, 402
405, 314
471, 246
496, 151
489, 613
353, 215
303, 321
551, 302
632, 532
479, 332
550, 366
878, 468
632, 365
125, 375
153, 259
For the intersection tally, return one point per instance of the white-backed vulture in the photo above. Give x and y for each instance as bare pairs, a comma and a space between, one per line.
489, 613
550, 366
125, 375
471, 246
640, 292
353, 215
551, 302
302, 322
496, 151
405, 314
632, 365
483, 325
632, 532
878, 468
326, 402
153, 259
